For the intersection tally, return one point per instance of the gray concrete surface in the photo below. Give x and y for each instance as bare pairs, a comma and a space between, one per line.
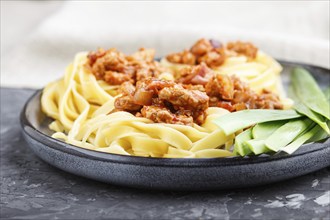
32, 189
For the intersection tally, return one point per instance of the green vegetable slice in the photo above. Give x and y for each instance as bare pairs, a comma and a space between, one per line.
327, 93
260, 132
303, 109
319, 136
264, 130
257, 146
287, 133
302, 139
309, 92
230, 123
239, 147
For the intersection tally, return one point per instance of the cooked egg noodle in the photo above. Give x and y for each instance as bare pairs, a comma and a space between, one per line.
80, 106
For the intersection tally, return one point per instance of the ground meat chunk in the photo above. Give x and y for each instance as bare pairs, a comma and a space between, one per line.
184, 98
143, 54
142, 94
231, 93
271, 100
213, 58
201, 47
220, 86
163, 115
184, 57
194, 87
243, 48
93, 56
125, 102
127, 88
163, 101
115, 67
110, 61
156, 85
213, 53
196, 75
149, 69
116, 78
210, 52
147, 90
186, 102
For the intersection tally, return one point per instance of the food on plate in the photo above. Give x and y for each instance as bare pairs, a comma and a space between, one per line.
213, 100
240, 59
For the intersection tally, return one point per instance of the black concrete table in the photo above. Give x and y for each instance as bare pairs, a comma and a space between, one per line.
32, 189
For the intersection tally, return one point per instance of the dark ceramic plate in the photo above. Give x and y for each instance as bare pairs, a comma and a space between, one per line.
174, 174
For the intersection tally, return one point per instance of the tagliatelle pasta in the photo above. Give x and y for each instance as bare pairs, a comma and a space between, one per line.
79, 105
132, 105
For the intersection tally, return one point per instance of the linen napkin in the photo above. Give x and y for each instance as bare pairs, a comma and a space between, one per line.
293, 31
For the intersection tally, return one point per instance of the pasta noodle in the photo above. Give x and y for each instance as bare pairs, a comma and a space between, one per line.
79, 105
88, 108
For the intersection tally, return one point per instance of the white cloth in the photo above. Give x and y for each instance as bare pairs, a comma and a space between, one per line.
293, 31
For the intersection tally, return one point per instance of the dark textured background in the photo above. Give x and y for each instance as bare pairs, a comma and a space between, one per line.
32, 189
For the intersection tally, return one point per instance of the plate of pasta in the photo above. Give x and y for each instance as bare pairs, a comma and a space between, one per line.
213, 116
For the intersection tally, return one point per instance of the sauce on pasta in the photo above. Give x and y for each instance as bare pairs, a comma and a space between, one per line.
133, 105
